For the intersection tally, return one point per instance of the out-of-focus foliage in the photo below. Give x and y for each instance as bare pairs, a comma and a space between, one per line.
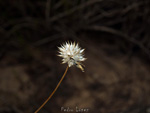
115, 34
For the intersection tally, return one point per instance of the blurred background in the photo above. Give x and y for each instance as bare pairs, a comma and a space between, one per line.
115, 34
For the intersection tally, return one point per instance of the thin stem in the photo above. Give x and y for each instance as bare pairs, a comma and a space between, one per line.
52, 92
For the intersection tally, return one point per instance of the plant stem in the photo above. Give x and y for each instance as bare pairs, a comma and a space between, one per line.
52, 92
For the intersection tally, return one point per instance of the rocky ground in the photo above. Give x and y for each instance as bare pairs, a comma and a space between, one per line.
110, 84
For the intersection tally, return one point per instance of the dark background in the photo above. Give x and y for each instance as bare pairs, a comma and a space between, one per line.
115, 34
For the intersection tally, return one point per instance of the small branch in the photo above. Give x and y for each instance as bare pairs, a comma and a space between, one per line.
116, 32
47, 10
114, 12
82, 6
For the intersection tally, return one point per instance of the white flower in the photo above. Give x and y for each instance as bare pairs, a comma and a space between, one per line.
72, 54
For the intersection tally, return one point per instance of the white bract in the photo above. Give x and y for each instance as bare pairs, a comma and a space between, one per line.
72, 54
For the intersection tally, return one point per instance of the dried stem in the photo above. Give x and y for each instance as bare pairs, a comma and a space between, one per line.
53, 91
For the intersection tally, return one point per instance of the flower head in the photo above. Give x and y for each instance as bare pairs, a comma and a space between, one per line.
72, 54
